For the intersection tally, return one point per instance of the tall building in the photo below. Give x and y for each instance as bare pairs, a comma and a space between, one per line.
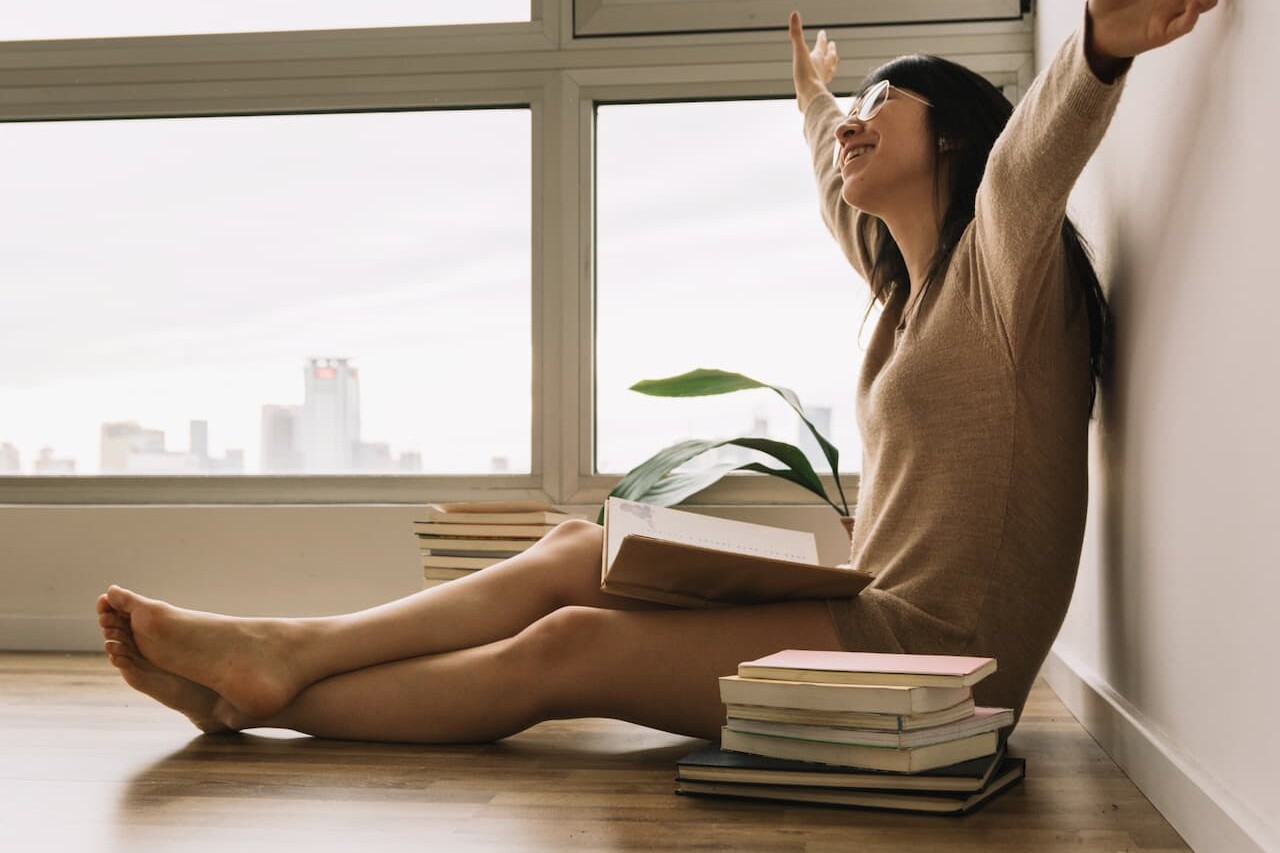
199, 440
127, 447
10, 461
281, 439
820, 417
330, 415
47, 463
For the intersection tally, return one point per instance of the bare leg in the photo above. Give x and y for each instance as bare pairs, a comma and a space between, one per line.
260, 665
657, 669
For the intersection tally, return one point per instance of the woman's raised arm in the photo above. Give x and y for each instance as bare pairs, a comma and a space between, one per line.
811, 71
1022, 199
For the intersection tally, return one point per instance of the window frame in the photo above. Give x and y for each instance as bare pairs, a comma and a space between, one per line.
541, 64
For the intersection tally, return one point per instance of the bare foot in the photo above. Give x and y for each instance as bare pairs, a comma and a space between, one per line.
201, 705
244, 661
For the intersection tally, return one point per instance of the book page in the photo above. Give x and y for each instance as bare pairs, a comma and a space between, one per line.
625, 517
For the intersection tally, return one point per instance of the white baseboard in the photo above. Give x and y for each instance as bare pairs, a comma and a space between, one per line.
1209, 818
49, 633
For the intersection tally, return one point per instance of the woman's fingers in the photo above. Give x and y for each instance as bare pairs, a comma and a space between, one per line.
796, 30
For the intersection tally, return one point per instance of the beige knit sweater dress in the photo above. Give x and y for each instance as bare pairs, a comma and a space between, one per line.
973, 408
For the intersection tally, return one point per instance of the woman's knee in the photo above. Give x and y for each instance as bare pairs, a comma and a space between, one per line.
571, 553
555, 651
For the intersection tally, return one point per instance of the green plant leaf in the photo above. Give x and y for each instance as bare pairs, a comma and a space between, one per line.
704, 382
799, 470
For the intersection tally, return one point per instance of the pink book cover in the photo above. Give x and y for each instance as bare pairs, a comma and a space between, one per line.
872, 662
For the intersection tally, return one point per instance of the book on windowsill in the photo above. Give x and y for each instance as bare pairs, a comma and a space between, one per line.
711, 764
1007, 774
456, 539
495, 512
870, 668
690, 560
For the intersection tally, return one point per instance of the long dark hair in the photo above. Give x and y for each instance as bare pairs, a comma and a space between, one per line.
969, 110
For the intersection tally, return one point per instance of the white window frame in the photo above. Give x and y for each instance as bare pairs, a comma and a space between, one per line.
643, 17
541, 64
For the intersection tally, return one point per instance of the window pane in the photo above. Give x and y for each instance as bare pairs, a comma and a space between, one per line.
351, 289
712, 253
70, 19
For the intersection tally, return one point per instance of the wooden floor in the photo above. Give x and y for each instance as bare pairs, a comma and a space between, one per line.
87, 765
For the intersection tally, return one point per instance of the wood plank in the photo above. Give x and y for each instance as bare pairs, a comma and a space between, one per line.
88, 765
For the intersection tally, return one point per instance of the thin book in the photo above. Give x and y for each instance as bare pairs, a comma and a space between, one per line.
869, 699
870, 668
909, 760
981, 720
1008, 774
709, 763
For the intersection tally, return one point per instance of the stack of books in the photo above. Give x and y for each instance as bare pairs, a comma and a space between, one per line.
857, 729
457, 539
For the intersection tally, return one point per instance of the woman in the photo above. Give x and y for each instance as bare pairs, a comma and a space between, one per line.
974, 402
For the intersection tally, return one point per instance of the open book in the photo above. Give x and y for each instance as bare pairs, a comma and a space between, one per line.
689, 560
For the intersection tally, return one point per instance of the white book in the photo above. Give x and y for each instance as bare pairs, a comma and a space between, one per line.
981, 720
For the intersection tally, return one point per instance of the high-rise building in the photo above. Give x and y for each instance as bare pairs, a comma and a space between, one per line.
199, 442
281, 439
330, 415
47, 463
820, 417
123, 444
10, 461
128, 448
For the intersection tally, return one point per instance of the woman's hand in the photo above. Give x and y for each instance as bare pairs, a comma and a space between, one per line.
1122, 29
810, 70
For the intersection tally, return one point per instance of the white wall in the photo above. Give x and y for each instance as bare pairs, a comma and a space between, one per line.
1172, 637
246, 560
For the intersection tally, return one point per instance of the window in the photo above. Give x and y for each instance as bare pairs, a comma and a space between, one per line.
269, 294
270, 198
74, 19
712, 253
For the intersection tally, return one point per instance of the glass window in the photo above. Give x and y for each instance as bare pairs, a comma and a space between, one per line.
344, 293
71, 19
712, 253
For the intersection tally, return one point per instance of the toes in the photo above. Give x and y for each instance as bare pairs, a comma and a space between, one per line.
119, 636
113, 620
122, 599
117, 649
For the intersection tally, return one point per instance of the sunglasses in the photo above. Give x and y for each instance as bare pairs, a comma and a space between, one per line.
866, 107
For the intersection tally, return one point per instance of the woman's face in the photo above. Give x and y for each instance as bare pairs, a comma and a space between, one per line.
887, 162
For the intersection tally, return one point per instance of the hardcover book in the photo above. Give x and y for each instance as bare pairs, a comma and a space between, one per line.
689, 560
712, 764
870, 668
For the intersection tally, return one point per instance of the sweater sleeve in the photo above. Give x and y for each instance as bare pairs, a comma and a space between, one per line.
843, 221
1022, 199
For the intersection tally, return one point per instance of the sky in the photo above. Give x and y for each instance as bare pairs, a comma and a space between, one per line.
162, 270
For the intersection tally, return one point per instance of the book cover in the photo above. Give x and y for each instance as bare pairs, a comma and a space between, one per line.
711, 764
691, 560
909, 760
453, 543
430, 561
853, 719
870, 668
1010, 772
493, 556
438, 574
874, 699
510, 531
981, 720
434, 513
